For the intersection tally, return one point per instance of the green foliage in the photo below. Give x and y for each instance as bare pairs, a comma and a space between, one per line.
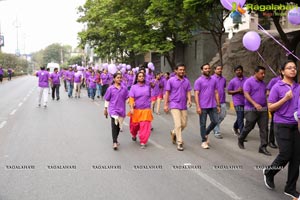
18, 64
75, 60
52, 53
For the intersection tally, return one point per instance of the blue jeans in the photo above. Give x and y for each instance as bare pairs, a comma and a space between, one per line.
99, 89
70, 86
213, 116
221, 117
92, 92
239, 122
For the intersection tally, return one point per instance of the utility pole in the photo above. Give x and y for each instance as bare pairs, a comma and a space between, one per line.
17, 25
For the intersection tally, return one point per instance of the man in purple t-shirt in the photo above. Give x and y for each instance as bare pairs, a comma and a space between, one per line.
256, 110
1, 73
55, 82
221, 85
207, 103
43, 76
69, 76
177, 97
235, 88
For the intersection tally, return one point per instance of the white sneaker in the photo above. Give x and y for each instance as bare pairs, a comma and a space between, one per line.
204, 145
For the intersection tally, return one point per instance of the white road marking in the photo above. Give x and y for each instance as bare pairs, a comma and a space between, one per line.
25, 98
20, 104
13, 112
2, 124
218, 185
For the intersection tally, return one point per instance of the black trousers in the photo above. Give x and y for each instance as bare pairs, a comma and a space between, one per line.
55, 90
261, 118
115, 130
271, 133
288, 139
104, 88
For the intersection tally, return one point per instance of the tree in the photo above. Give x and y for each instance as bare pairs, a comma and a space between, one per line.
114, 28
208, 15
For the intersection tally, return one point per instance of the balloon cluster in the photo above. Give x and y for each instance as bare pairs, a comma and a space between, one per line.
113, 68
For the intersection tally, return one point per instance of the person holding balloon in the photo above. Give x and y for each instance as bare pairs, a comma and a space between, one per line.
284, 102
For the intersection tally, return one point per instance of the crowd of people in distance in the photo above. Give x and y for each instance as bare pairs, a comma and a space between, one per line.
144, 91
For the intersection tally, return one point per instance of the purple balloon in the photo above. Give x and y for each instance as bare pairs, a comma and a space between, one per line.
294, 16
251, 41
112, 68
123, 70
105, 66
228, 3
128, 67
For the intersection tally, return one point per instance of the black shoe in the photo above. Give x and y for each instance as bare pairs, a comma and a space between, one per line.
264, 150
57, 99
241, 144
180, 147
133, 139
151, 129
98, 97
273, 145
293, 194
269, 181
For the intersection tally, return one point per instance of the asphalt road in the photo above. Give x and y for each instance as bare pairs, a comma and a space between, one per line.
64, 152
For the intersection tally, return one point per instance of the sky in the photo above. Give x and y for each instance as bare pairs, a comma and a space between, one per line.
40, 23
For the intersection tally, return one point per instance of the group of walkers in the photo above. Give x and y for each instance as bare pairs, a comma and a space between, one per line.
9, 73
253, 99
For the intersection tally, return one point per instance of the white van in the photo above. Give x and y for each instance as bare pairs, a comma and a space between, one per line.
52, 65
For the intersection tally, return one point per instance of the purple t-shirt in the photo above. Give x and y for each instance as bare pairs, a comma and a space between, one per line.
285, 114
1, 71
221, 85
43, 78
117, 100
55, 78
149, 78
234, 84
69, 76
206, 86
92, 82
77, 77
257, 91
273, 81
130, 79
178, 92
155, 90
141, 95
105, 78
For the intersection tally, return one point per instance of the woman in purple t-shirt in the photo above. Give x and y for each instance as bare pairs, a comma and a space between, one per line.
155, 93
140, 110
115, 100
283, 101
